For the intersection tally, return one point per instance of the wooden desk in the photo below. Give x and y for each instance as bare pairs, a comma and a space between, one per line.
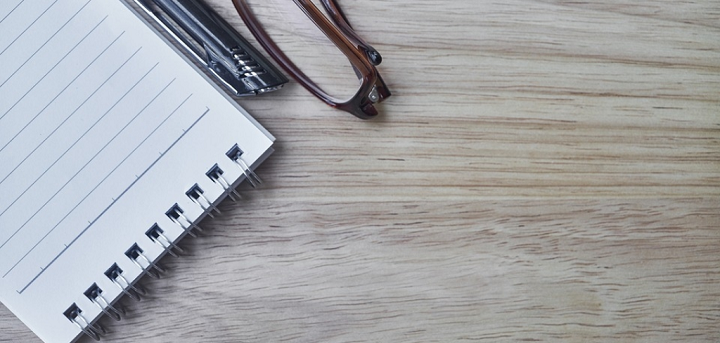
545, 170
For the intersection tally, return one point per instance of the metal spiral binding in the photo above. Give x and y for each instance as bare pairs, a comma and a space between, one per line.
94, 293
135, 253
235, 154
115, 275
216, 175
157, 235
177, 216
195, 193
74, 314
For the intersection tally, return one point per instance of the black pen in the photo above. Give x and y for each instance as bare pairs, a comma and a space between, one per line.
215, 44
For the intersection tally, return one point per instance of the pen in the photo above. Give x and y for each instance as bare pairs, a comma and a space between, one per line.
216, 45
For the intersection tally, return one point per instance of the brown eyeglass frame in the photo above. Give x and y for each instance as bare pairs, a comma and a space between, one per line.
361, 55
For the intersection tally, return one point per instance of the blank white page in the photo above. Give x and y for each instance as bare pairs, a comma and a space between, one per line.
103, 127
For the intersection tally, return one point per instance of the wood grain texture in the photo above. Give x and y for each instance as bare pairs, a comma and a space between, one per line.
545, 171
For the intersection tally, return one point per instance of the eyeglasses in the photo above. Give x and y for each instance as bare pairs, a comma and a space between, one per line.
324, 54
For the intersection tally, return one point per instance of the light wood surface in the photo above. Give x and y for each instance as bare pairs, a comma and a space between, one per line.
544, 171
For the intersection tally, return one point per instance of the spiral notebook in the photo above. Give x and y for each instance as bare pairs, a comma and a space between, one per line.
112, 149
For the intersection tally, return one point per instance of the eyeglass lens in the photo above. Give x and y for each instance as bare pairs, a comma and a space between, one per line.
307, 46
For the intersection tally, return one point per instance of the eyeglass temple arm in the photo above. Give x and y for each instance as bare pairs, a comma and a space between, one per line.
338, 17
277, 53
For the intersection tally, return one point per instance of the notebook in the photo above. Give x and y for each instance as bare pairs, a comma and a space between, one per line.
112, 148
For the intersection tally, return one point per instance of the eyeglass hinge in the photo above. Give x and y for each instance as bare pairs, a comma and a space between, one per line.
373, 96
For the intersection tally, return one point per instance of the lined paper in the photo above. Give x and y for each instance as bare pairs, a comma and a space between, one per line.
102, 129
